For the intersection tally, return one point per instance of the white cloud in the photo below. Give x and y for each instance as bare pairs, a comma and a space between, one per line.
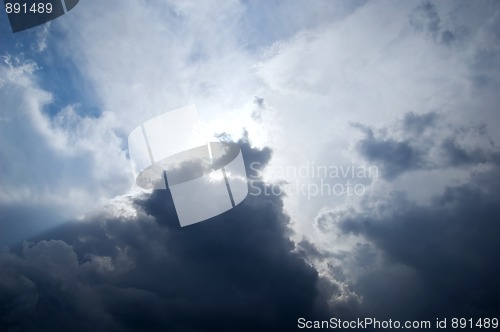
64, 165
178, 54
367, 64
371, 67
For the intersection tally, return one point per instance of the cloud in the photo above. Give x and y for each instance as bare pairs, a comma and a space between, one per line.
410, 260
124, 273
179, 54
318, 70
61, 165
447, 247
425, 142
418, 80
426, 18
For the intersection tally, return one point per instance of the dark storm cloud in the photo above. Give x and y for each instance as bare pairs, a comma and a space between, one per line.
440, 259
233, 272
394, 157
425, 142
412, 260
423, 261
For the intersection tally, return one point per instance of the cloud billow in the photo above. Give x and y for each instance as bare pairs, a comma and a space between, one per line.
449, 247
235, 271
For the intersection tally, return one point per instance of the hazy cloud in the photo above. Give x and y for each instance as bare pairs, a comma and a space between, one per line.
425, 18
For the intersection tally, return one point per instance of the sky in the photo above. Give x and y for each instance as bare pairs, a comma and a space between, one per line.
369, 135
